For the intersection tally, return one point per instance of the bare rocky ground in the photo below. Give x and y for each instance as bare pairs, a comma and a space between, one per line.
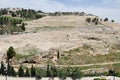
63, 33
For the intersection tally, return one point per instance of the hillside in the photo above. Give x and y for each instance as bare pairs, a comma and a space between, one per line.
56, 21
63, 32
82, 41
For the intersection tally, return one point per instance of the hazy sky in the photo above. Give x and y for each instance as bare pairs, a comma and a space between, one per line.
102, 8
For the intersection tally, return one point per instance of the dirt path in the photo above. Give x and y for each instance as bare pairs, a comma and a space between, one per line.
85, 65
98, 64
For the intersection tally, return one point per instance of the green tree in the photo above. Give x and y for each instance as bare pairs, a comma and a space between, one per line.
88, 20
53, 71
112, 73
33, 73
76, 74
48, 70
10, 53
95, 20
21, 71
96, 23
2, 68
112, 21
27, 74
68, 71
13, 14
23, 26
13, 72
10, 70
106, 19
62, 74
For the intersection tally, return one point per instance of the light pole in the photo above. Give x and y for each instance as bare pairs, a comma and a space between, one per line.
5, 71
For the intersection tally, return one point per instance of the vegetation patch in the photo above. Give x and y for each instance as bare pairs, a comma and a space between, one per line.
30, 52
86, 47
116, 46
73, 50
75, 59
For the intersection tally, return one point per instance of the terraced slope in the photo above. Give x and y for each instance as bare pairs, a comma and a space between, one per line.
64, 33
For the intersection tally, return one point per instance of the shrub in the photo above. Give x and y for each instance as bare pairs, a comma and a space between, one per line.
106, 19
112, 21
88, 20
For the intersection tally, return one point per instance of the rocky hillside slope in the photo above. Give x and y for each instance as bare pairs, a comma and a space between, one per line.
63, 33
56, 21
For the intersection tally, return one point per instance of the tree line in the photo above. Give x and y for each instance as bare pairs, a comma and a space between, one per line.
96, 20
4, 20
10, 25
22, 13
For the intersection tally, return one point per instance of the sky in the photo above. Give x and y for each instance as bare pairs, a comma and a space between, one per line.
101, 8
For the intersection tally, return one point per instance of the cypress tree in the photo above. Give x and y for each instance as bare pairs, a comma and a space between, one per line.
54, 71
21, 72
23, 26
62, 74
33, 73
58, 54
2, 68
48, 70
27, 74
13, 72
9, 68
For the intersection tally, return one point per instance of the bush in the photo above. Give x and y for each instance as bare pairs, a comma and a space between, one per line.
112, 21
88, 20
106, 19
